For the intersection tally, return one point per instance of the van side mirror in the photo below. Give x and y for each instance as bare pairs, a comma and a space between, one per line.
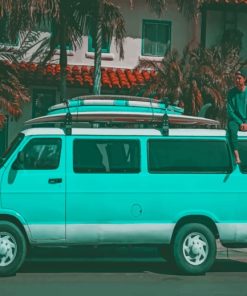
18, 163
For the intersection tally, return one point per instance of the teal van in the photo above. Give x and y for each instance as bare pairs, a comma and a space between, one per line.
120, 186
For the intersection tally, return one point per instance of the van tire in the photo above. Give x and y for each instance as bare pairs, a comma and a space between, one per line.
13, 248
194, 249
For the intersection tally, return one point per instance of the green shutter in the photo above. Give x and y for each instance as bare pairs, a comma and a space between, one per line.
4, 35
69, 45
156, 37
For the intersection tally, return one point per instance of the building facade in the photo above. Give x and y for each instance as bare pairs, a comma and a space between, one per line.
148, 37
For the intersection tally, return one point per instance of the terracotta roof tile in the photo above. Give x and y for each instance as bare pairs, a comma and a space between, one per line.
83, 75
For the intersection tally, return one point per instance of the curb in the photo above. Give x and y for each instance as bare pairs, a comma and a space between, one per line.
230, 253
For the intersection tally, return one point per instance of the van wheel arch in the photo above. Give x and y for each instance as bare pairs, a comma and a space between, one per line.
200, 219
16, 222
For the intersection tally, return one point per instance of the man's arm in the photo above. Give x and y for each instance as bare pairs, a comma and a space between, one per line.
231, 112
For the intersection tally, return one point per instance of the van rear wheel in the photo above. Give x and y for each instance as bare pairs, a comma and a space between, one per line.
194, 248
12, 248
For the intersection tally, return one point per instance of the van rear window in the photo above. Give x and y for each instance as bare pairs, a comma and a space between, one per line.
188, 156
106, 156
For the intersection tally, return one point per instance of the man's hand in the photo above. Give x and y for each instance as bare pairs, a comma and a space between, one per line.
243, 127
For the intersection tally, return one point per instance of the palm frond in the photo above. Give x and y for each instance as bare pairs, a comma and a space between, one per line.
190, 8
200, 76
114, 25
157, 6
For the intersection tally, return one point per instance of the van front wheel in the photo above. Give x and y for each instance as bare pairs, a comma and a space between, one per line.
12, 248
194, 248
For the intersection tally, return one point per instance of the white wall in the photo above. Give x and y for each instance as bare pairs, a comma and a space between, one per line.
181, 34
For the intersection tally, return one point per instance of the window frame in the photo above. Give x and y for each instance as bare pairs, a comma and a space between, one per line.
228, 170
148, 21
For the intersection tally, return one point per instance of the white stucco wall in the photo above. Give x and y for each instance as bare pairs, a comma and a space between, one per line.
181, 34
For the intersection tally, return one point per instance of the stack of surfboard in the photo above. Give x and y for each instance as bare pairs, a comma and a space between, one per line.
118, 109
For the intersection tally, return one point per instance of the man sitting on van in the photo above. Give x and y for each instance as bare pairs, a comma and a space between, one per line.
237, 110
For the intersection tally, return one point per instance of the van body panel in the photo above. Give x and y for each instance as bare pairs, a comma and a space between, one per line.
114, 233
103, 201
13, 214
101, 208
233, 232
29, 193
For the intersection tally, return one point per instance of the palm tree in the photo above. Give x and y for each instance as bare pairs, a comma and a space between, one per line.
108, 19
68, 20
201, 76
105, 9
191, 9
65, 18
13, 93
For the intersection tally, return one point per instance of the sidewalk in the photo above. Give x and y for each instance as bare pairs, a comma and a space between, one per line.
229, 253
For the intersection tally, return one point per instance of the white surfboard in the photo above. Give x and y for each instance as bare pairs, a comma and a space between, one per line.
124, 117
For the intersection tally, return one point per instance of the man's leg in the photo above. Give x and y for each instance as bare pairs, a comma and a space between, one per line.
233, 129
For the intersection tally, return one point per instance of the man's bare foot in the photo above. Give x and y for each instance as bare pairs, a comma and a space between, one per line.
237, 158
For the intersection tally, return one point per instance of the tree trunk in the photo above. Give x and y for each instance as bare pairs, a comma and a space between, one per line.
63, 57
195, 32
98, 48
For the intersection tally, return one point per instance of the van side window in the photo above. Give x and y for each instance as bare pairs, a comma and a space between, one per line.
106, 156
41, 154
243, 155
188, 156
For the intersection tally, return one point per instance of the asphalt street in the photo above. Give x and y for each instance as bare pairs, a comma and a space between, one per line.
132, 272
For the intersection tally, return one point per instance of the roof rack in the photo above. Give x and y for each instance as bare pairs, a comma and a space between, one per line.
108, 111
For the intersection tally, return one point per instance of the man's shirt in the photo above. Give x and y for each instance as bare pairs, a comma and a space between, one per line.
237, 105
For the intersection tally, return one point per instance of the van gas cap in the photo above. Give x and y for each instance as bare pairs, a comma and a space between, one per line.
136, 210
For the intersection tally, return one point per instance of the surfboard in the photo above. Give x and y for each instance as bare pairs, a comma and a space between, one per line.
124, 117
112, 102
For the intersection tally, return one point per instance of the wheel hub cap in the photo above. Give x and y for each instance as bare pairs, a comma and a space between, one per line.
195, 248
8, 248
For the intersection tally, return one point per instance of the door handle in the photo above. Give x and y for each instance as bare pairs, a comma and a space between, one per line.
55, 180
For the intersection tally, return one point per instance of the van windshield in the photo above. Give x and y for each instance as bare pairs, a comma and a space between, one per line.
11, 149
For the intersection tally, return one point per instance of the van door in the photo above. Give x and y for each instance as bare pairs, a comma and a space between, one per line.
33, 186
103, 189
